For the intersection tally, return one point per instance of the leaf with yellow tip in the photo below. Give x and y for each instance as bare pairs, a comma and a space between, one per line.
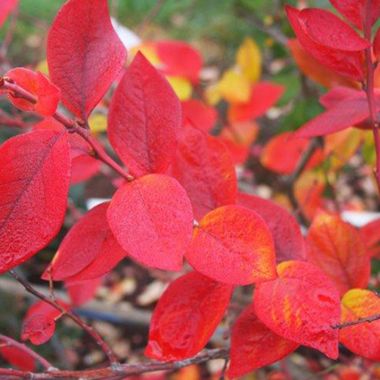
249, 59
363, 339
301, 305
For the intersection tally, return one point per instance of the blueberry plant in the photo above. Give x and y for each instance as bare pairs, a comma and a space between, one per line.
177, 206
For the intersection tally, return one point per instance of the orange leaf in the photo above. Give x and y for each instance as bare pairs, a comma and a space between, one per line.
315, 70
282, 153
362, 339
337, 248
186, 316
233, 245
301, 305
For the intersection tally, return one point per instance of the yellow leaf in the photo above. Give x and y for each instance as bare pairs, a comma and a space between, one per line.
181, 86
97, 123
249, 59
212, 94
42, 67
149, 52
342, 145
234, 87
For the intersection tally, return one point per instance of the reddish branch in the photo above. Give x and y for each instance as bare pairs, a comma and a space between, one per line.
71, 125
89, 329
359, 321
9, 342
118, 371
369, 89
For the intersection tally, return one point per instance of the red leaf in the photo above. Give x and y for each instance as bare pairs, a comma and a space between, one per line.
47, 94
314, 68
144, 119
34, 178
6, 7
337, 249
253, 345
354, 10
345, 62
179, 59
84, 54
263, 96
186, 316
39, 322
302, 305
18, 358
233, 245
370, 234
81, 292
89, 250
283, 152
204, 167
83, 164
376, 44
152, 219
338, 94
345, 114
286, 232
364, 338
328, 30
199, 115
83, 168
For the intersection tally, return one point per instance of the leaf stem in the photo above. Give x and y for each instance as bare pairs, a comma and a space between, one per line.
71, 125
120, 371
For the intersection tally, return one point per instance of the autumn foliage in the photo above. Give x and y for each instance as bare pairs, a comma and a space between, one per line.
176, 205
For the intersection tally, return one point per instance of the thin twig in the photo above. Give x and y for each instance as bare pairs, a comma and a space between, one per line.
288, 182
89, 329
122, 370
71, 125
359, 321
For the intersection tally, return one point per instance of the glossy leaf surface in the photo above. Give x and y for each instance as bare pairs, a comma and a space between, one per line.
84, 54
301, 305
233, 244
34, 178
186, 316
152, 219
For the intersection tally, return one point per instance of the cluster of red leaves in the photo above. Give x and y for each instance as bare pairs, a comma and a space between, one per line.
180, 174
